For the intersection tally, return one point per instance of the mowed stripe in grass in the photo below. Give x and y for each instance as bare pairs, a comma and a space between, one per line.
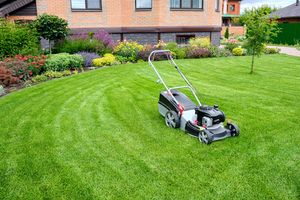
98, 135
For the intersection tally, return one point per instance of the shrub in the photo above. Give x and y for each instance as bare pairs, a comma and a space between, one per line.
78, 45
219, 52
63, 61
6, 77
200, 42
51, 27
108, 59
237, 51
101, 35
39, 78
53, 74
271, 50
198, 52
226, 34
177, 52
35, 63
88, 58
15, 39
66, 73
145, 52
18, 68
127, 51
231, 44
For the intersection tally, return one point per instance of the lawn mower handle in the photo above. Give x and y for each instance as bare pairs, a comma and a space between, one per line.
172, 62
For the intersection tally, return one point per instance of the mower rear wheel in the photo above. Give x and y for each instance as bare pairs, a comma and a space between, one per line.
234, 129
205, 136
172, 119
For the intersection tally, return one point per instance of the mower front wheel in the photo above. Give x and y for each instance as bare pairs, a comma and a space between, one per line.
205, 136
234, 129
172, 119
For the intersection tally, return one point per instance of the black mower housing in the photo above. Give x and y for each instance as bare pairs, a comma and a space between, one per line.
214, 113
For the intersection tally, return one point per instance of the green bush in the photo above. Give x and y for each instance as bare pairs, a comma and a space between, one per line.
238, 51
63, 61
16, 39
79, 45
177, 52
127, 51
53, 74
203, 42
39, 78
107, 59
271, 50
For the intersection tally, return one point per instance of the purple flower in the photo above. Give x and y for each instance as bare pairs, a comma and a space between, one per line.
88, 58
105, 37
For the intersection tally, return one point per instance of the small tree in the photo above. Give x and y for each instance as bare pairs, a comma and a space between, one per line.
260, 30
226, 34
51, 28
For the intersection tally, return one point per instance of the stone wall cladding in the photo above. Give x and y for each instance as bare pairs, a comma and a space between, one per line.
152, 38
116, 37
142, 38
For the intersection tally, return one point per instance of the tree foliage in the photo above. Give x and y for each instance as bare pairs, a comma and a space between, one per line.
260, 30
51, 27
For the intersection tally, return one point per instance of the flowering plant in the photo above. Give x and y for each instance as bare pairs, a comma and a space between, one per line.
35, 63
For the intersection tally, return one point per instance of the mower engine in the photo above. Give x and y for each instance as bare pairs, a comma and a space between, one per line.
208, 116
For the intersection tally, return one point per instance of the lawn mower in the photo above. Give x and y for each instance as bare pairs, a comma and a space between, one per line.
201, 121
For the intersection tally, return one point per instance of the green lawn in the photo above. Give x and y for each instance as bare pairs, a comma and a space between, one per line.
99, 135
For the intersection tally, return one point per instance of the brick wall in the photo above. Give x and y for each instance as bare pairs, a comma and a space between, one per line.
234, 30
122, 13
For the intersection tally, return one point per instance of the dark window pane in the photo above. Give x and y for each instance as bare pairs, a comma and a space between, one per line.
183, 39
93, 4
143, 3
78, 4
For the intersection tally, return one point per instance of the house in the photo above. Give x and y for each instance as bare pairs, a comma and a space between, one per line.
289, 24
230, 10
289, 14
146, 21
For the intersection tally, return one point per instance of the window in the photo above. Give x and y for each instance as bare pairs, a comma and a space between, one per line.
217, 5
86, 4
232, 7
186, 4
183, 39
143, 4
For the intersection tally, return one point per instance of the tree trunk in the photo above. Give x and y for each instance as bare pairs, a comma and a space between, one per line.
252, 64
